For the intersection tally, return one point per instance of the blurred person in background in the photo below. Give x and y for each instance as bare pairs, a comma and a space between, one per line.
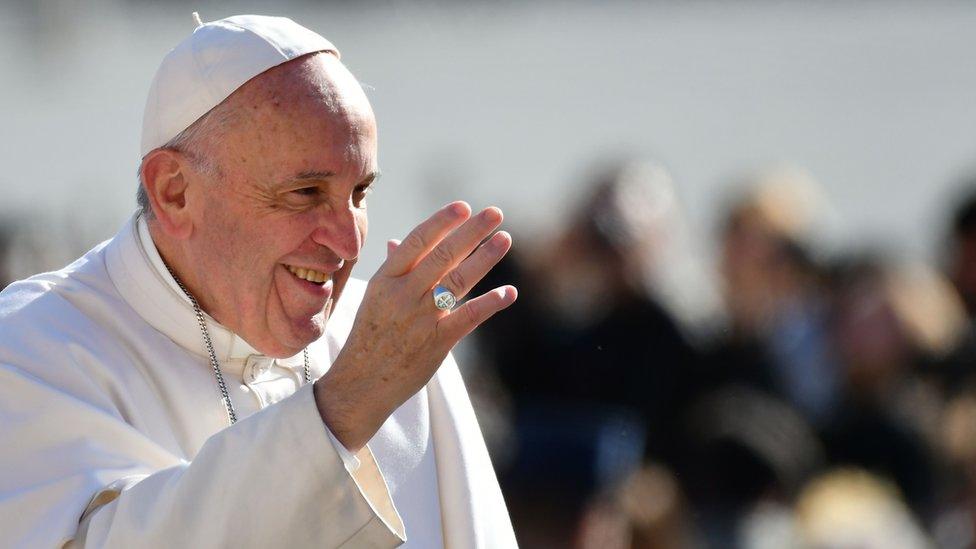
656, 510
750, 409
646, 511
961, 248
748, 455
774, 296
592, 360
958, 370
844, 508
955, 526
891, 324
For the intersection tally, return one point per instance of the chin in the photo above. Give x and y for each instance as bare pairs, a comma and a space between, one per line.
310, 330
293, 338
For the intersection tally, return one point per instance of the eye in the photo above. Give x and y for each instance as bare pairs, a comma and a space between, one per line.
360, 193
306, 191
301, 198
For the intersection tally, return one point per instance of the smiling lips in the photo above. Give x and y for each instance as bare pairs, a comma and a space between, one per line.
310, 275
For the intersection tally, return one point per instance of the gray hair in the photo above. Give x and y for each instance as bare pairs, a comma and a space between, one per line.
196, 142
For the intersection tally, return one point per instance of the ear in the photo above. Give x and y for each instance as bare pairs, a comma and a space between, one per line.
164, 176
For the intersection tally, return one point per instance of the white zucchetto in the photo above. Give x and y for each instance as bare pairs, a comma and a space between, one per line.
219, 57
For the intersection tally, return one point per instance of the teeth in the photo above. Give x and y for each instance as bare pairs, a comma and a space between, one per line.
308, 274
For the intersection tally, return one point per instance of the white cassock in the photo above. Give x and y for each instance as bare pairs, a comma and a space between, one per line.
114, 435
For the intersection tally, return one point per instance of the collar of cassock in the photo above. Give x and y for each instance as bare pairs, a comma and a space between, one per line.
138, 272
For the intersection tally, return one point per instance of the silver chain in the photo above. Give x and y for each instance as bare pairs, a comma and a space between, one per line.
221, 384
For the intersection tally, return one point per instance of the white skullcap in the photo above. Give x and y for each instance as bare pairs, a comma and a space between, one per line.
219, 57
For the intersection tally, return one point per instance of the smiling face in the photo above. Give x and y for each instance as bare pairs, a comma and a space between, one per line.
276, 232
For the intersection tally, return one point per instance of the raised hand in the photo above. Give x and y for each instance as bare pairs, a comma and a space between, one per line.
400, 337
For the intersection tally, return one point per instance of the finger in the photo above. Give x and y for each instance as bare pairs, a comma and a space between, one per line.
391, 245
476, 266
424, 237
454, 248
467, 317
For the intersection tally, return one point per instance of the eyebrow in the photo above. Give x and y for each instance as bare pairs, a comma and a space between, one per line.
316, 175
313, 175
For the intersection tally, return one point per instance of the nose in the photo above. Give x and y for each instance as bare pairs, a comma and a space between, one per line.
339, 229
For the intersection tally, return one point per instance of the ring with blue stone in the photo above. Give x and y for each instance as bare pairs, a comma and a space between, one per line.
444, 299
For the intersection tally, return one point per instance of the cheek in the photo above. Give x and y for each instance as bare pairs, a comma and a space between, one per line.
239, 247
216, 230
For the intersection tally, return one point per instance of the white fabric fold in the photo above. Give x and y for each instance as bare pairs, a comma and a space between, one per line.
312, 502
349, 460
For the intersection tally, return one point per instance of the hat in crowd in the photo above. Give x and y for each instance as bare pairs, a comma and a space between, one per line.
219, 57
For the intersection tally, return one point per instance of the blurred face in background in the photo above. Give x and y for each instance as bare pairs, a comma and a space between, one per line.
581, 275
277, 232
869, 337
752, 267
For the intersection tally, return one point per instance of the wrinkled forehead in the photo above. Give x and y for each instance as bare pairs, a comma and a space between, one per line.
307, 114
316, 86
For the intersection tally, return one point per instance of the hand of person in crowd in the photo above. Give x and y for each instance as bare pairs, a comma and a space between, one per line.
400, 337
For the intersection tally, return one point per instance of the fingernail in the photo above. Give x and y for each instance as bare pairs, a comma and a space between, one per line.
493, 214
507, 291
499, 242
459, 209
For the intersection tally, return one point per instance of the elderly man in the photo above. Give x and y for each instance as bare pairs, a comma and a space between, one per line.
158, 392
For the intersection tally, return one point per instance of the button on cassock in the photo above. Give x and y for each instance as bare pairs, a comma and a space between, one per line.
255, 367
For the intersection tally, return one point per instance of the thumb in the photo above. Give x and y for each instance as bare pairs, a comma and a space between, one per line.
391, 245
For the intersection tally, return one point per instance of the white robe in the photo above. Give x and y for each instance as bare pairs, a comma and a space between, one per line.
114, 435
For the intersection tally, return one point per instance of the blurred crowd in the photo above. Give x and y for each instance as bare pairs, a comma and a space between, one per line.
828, 400
820, 397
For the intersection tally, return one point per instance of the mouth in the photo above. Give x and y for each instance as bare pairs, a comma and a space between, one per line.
306, 297
317, 285
309, 275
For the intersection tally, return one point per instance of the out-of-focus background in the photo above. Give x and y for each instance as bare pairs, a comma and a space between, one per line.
745, 240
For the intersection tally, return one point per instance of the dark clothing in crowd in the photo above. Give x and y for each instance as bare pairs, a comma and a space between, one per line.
866, 435
631, 359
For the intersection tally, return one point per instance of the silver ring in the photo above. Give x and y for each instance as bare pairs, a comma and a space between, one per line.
444, 299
